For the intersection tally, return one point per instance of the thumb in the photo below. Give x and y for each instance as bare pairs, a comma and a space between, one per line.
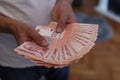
61, 24
38, 39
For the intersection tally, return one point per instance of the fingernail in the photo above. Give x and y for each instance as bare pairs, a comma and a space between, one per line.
44, 43
59, 29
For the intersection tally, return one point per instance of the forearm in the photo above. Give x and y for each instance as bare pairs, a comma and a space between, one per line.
7, 25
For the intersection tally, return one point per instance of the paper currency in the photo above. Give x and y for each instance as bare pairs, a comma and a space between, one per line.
64, 48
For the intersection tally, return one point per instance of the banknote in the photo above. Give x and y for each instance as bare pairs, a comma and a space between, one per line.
64, 48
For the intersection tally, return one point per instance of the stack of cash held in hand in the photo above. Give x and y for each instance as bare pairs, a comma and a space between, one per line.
64, 48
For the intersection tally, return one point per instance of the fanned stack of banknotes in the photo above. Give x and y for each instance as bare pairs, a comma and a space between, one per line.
64, 48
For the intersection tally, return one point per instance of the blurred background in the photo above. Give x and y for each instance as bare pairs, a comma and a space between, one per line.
103, 61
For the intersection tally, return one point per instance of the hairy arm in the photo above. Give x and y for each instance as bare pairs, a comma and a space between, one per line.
6, 24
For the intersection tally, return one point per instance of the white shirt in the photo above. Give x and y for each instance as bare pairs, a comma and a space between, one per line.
31, 12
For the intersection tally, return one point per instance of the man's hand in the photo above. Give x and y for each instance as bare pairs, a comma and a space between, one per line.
24, 33
63, 14
21, 31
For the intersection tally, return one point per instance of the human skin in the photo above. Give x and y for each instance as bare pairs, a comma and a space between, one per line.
21, 31
61, 13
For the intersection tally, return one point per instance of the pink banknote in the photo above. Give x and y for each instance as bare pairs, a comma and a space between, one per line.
64, 48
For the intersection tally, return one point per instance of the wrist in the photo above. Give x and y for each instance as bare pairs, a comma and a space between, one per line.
16, 26
13, 27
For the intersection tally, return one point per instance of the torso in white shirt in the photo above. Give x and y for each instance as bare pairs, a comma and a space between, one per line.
31, 12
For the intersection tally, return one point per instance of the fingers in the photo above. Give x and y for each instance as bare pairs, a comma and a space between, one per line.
38, 39
61, 23
63, 14
21, 38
